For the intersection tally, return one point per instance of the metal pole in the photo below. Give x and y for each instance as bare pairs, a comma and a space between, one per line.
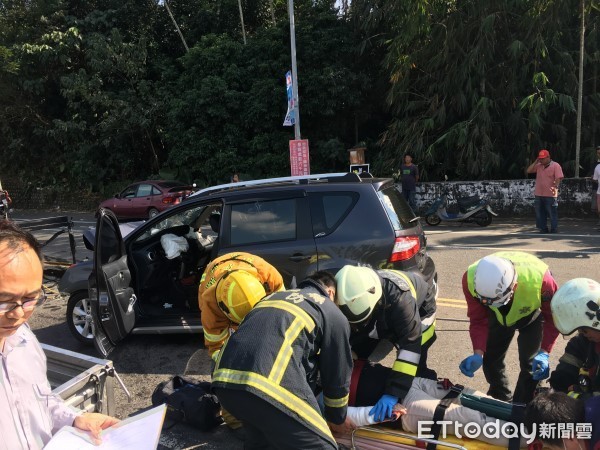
580, 90
294, 71
187, 49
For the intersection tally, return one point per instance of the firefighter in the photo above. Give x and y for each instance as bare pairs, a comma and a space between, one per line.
576, 307
393, 305
230, 286
266, 374
506, 292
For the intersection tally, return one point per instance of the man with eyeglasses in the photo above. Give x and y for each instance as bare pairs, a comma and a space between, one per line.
31, 413
506, 292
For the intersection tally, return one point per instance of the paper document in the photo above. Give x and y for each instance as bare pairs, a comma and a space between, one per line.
139, 432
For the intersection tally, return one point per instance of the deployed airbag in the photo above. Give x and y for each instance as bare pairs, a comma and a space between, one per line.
173, 245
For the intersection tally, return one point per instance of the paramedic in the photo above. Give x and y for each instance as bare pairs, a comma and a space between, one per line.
576, 307
396, 306
505, 292
266, 374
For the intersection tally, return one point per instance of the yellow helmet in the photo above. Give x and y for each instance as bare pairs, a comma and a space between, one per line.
237, 293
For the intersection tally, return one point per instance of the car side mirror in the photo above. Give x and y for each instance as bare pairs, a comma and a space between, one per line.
116, 195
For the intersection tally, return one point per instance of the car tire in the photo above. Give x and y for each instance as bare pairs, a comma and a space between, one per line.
79, 317
152, 212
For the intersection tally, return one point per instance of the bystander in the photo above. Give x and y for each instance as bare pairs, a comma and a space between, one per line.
548, 175
410, 178
596, 185
31, 413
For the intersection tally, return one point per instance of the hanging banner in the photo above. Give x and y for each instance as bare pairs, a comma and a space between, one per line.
299, 159
290, 119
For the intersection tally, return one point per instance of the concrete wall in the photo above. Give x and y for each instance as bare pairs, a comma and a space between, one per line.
507, 197
512, 197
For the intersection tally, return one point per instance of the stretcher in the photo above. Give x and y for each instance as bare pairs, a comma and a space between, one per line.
384, 438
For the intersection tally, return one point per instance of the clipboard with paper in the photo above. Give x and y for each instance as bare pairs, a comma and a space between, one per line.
141, 432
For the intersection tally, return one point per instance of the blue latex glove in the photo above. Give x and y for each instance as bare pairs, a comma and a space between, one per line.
384, 407
540, 366
471, 364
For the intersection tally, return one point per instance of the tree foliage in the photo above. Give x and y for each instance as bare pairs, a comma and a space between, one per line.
97, 92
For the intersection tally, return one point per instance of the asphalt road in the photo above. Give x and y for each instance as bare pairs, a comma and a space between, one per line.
144, 361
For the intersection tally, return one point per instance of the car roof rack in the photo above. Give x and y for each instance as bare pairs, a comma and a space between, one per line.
344, 177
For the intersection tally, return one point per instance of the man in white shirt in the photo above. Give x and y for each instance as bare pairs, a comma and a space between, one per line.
596, 178
31, 413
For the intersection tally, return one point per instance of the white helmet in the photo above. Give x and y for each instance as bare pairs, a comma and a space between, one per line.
576, 304
358, 291
495, 281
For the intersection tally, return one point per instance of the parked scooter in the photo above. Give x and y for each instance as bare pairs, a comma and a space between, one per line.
471, 209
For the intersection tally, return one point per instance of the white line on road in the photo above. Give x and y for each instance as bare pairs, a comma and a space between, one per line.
513, 233
505, 248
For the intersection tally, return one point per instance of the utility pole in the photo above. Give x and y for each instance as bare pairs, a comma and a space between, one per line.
580, 89
294, 71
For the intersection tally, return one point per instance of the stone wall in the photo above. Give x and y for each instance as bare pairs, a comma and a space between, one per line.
512, 197
507, 197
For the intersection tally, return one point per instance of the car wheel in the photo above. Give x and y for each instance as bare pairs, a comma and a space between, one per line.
152, 212
79, 317
433, 219
483, 218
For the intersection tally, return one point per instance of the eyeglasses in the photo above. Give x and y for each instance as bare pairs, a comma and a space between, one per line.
27, 303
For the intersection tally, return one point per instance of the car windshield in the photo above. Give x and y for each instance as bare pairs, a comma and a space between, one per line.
196, 218
397, 208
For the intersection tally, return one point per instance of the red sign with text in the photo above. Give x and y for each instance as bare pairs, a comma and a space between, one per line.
299, 160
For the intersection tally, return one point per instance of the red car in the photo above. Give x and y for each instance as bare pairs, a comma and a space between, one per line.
145, 199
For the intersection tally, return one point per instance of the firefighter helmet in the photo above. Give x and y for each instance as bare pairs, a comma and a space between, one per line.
576, 304
495, 281
237, 293
358, 291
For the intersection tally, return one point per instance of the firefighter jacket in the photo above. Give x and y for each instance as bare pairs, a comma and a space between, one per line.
404, 315
577, 371
284, 344
535, 289
215, 323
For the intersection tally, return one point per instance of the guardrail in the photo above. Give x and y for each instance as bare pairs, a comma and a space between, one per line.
52, 222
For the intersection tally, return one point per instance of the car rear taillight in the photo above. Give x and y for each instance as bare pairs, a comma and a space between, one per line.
170, 200
405, 247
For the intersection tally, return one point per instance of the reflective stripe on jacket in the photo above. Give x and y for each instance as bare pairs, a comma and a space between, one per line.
397, 318
285, 344
216, 325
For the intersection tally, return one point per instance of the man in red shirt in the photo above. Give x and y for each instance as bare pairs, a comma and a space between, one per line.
548, 175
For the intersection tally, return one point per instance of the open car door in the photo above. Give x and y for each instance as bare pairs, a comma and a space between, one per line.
111, 295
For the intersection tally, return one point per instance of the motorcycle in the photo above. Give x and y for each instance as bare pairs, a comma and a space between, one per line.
470, 209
